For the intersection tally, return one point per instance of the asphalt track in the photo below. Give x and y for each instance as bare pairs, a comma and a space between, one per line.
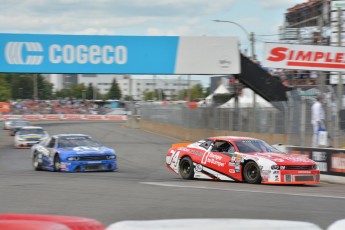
144, 189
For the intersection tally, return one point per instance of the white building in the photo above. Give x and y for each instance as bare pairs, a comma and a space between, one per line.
130, 85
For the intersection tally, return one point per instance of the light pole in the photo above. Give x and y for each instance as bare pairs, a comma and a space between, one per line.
251, 40
250, 37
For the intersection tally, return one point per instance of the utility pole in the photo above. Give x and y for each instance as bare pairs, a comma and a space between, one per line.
340, 81
253, 57
252, 45
34, 80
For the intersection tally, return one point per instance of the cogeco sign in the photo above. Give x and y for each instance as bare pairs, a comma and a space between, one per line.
95, 54
323, 58
83, 54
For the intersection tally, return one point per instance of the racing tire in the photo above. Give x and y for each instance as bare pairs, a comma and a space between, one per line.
57, 163
186, 168
35, 163
251, 173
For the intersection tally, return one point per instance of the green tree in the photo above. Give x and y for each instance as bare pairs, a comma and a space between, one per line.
89, 92
5, 91
114, 91
196, 92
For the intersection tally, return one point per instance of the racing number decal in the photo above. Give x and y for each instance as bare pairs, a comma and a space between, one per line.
173, 161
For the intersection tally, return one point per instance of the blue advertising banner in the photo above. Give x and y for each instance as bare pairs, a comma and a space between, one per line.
48, 53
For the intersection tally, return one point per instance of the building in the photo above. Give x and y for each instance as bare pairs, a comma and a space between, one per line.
130, 85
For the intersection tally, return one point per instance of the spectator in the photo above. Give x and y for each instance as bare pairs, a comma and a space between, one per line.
317, 120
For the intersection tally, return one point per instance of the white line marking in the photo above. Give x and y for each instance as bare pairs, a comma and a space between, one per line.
241, 190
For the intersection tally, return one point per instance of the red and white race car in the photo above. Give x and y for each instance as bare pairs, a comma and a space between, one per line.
240, 159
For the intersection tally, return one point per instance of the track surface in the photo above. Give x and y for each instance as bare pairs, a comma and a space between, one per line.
144, 188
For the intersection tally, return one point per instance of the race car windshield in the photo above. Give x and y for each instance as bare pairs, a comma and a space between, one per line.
77, 141
248, 146
31, 131
20, 123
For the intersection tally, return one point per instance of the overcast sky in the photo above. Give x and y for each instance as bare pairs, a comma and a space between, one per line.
147, 17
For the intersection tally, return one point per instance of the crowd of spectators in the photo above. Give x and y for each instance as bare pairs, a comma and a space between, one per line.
62, 106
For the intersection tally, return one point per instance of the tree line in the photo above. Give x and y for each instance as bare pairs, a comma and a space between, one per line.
22, 86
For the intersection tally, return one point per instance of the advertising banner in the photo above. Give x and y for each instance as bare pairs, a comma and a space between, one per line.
48, 53
308, 57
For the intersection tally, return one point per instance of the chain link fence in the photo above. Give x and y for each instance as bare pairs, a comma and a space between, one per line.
292, 117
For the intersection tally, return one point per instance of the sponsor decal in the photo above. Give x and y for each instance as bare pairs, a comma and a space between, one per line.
198, 168
266, 172
304, 57
277, 178
277, 160
14, 53
231, 170
338, 162
193, 152
275, 172
212, 158
304, 172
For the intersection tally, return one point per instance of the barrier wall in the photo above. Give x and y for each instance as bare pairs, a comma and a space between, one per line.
330, 161
66, 117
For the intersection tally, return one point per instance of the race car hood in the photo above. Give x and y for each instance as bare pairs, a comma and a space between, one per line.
86, 150
31, 136
285, 159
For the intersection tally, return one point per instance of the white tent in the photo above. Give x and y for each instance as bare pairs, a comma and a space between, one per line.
220, 90
245, 100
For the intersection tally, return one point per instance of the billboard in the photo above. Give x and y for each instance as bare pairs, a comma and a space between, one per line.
48, 53
308, 57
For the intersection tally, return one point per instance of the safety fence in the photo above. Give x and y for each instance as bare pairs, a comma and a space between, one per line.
67, 117
331, 161
291, 118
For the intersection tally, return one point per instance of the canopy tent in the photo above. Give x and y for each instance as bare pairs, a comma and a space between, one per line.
245, 100
220, 90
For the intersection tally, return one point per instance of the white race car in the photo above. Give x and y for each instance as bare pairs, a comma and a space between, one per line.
27, 136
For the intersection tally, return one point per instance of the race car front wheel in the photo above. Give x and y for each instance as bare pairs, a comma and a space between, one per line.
251, 173
186, 168
35, 162
57, 163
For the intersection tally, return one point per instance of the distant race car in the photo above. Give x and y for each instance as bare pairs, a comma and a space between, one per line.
73, 153
240, 159
27, 136
18, 124
8, 123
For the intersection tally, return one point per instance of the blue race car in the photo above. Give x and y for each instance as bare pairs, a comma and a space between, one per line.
72, 153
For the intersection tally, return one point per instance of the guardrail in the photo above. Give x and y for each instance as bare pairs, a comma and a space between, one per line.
64, 117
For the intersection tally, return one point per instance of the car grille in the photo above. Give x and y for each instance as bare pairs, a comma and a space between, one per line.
94, 167
298, 167
300, 178
304, 178
92, 158
32, 139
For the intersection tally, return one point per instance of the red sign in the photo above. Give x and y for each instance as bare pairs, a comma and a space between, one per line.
287, 56
52, 117
32, 117
116, 117
94, 117
72, 116
338, 162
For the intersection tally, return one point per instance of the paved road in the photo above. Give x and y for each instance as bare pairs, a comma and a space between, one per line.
144, 189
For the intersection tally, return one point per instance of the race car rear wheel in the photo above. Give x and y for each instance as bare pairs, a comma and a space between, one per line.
35, 162
251, 173
186, 168
57, 163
